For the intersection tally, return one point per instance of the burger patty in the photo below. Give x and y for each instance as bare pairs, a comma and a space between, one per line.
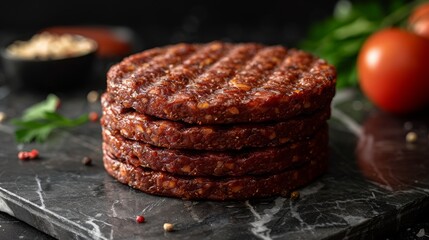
231, 188
220, 83
253, 161
178, 135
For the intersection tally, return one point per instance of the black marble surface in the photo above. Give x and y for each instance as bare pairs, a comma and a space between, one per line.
12, 228
376, 186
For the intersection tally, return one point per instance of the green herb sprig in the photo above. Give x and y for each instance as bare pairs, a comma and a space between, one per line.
339, 38
41, 119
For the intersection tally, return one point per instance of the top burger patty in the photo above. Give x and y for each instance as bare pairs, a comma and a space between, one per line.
218, 83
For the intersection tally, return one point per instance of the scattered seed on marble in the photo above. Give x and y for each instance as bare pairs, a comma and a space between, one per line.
87, 161
93, 116
140, 219
411, 137
33, 154
92, 96
168, 227
23, 155
294, 195
2, 116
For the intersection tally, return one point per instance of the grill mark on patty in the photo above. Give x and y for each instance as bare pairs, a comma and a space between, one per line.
226, 67
123, 70
288, 70
183, 75
227, 88
159, 66
217, 76
238, 86
145, 74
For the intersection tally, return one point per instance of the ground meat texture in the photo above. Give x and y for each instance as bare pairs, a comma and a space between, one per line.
218, 83
179, 135
194, 188
217, 163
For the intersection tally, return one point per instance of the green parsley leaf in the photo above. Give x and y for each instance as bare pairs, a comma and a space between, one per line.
41, 119
37, 110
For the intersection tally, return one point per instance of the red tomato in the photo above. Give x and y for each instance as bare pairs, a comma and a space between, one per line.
419, 20
393, 68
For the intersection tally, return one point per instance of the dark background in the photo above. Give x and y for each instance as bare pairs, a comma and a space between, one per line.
162, 22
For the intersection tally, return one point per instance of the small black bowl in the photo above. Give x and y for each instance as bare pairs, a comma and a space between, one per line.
47, 75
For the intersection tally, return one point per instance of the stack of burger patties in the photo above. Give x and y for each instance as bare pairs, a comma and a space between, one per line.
217, 121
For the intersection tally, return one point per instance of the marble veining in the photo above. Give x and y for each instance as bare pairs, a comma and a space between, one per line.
259, 227
347, 121
96, 233
370, 186
311, 189
40, 192
295, 214
22, 203
5, 208
114, 214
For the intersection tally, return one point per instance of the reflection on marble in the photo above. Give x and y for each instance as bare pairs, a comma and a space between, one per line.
384, 155
60, 196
